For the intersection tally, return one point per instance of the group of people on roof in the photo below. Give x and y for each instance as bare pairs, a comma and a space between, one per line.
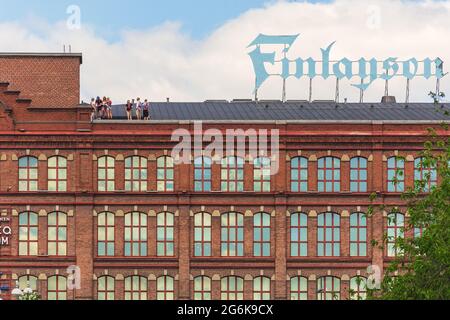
101, 108
141, 109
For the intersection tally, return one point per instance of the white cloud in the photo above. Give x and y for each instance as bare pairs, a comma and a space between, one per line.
166, 62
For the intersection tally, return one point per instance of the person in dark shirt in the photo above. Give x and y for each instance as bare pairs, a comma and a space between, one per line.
145, 108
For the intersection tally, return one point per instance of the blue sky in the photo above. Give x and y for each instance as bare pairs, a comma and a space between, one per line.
198, 17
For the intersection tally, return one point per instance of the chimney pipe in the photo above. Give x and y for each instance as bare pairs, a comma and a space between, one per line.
388, 99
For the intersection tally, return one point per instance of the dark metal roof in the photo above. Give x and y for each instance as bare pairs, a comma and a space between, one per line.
272, 111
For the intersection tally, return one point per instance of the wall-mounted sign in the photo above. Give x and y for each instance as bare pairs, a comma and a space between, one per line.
5, 231
365, 70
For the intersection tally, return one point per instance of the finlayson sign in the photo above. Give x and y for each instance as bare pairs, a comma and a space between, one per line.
367, 70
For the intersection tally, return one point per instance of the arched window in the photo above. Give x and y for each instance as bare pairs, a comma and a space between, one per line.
136, 174
232, 288
299, 174
232, 234
261, 288
165, 234
105, 174
57, 288
165, 288
232, 174
202, 235
28, 174
328, 288
328, 235
358, 174
299, 288
261, 235
136, 288
202, 174
425, 173
202, 288
105, 288
329, 175
358, 288
57, 174
28, 281
165, 174
358, 235
299, 235
261, 174
57, 234
136, 234
395, 230
105, 234
28, 234
396, 174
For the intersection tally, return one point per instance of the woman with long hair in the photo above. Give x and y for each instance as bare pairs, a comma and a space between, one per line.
129, 107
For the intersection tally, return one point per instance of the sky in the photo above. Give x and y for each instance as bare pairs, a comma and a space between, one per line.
197, 50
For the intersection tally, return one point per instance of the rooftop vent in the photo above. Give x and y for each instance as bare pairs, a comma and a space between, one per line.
216, 101
324, 101
388, 99
270, 101
297, 101
241, 100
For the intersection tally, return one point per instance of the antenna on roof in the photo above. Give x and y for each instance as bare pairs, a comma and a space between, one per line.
70, 48
64, 48
407, 90
337, 91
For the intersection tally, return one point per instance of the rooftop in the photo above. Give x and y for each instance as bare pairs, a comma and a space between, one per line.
296, 111
42, 54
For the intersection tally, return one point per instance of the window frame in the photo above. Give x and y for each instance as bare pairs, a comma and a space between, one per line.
141, 168
58, 226
394, 169
106, 291
359, 182
141, 290
300, 170
168, 291
31, 169
108, 168
299, 293
300, 230
262, 176
260, 291
421, 173
358, 291
166, 169
323, 169
58, 290
237, 282
235, 230
260, 243
204, 229
168, 228
107, 226
333, 242
204, 168
142, 242
359, 226
322, 284
28, 242
58, 168
231, 165
398, 231
203, 294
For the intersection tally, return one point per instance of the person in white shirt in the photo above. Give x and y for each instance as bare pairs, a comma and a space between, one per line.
138, 109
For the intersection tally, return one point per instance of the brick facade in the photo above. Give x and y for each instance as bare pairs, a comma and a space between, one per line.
50, 81
71, 135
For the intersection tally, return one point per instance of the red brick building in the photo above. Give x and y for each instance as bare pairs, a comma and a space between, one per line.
105, 195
